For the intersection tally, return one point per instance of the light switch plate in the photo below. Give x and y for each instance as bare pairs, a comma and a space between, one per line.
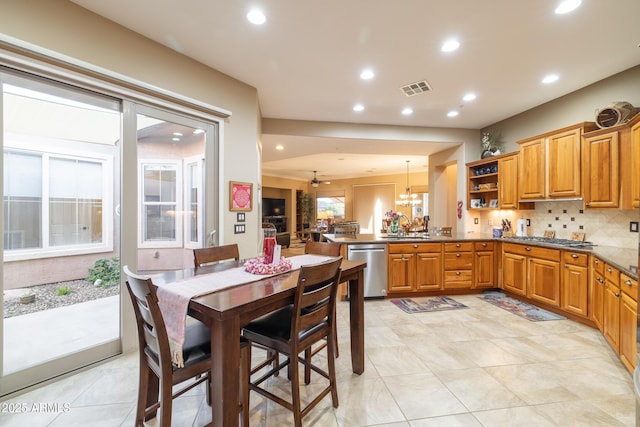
633, 226
238, 229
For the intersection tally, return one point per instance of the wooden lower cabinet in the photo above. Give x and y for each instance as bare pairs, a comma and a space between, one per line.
575, 283
611, 309
484, 265
514, 273
596, 311
532, 271
458, 265
544, 281
414, 267
628, 331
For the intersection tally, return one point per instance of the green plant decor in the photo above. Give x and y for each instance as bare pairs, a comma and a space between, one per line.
63, 290
107, 271
307, 207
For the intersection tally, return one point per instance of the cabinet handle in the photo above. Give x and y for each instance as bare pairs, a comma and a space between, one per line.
627, 282
457, 245
457, 273
609, 270
415, 245
484, 245
595, 261
574, 256
527, 249
458, 255
566, 266
617, 294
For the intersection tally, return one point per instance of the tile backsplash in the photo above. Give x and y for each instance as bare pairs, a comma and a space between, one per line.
607, 227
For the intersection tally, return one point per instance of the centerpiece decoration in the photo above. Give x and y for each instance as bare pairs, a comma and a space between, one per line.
258, 265
393, 218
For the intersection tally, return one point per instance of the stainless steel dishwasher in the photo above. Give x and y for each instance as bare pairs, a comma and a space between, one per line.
375, 274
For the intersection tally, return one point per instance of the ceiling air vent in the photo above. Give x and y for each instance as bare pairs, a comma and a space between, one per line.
415, 88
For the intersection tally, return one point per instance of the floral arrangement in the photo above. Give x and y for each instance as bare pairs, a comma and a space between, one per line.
490, 142
258, 266
392, 214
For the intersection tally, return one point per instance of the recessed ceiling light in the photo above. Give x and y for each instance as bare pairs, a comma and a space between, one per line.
452, 113
279, 147
358, 107
177, 134
469, 97
198, 131
175, 139
256, 17
367, 74
407, 111
450, 45
567, 6
550, 78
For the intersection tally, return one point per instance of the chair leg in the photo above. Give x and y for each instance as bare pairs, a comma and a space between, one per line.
331, 363
295, 390
166, 402
143, 387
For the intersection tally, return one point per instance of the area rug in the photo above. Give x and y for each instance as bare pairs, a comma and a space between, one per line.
519, 308
409, 305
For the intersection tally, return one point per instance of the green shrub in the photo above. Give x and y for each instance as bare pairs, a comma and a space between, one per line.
107, 271
63, 290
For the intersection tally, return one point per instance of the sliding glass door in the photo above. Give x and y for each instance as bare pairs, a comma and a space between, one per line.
61, 246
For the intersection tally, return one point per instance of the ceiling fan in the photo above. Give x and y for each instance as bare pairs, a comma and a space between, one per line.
315, 182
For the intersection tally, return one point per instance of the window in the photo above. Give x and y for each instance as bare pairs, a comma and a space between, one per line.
54, 202
160, 211
330, 205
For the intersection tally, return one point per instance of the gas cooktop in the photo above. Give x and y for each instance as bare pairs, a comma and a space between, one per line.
559, 242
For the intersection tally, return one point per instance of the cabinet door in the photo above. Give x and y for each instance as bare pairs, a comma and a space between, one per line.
611, 317
564, 164
401, 271
574, 289
531, 170
485, 270
628, 331
514, 271
428, 271
597, 300
544, 281
635, 166
602, 172
508, 182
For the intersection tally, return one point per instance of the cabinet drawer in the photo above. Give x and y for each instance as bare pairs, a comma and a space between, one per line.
483, 246
629, 286
458, 247
405, 248
532, 251
458, 278
458, 261
575, 258
598, 265
612, 274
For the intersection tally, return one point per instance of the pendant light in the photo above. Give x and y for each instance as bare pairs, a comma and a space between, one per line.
408, 198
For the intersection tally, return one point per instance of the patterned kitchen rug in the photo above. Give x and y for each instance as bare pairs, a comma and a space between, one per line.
519, 308
410, 305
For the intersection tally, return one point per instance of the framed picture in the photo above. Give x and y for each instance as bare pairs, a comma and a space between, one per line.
475, 203
493, 203
240, 196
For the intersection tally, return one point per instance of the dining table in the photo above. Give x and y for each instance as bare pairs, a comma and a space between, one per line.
226, 311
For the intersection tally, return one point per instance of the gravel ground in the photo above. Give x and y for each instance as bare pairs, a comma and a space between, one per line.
46, 297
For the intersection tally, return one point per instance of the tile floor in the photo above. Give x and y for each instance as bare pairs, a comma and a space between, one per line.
480, 366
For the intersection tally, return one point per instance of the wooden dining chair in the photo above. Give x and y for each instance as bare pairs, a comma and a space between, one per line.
294, 328
157, 374
203, 256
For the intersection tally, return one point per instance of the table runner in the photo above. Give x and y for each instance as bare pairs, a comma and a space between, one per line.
173, 298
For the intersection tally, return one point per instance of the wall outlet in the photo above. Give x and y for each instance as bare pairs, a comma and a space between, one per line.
238, 229
633, 226
475, 220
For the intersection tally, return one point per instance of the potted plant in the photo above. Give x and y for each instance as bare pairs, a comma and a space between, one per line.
490, 144
307, 208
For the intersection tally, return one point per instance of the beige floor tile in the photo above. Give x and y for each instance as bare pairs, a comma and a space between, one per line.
399, 360
460, 420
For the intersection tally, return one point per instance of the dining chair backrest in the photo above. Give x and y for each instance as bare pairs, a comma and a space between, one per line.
322, 248
315, 303
214, 254
152, 334
345, 230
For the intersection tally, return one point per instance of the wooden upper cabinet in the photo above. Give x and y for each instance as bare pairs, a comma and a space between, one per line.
532, 170
635, 166
564, 164
601, 170
508, 182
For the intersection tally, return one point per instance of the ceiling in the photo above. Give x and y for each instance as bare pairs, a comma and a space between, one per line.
305, 62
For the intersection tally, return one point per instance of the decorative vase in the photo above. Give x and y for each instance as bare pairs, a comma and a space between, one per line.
485, 154
393, 228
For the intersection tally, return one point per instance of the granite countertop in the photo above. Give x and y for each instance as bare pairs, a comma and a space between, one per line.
624, 259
